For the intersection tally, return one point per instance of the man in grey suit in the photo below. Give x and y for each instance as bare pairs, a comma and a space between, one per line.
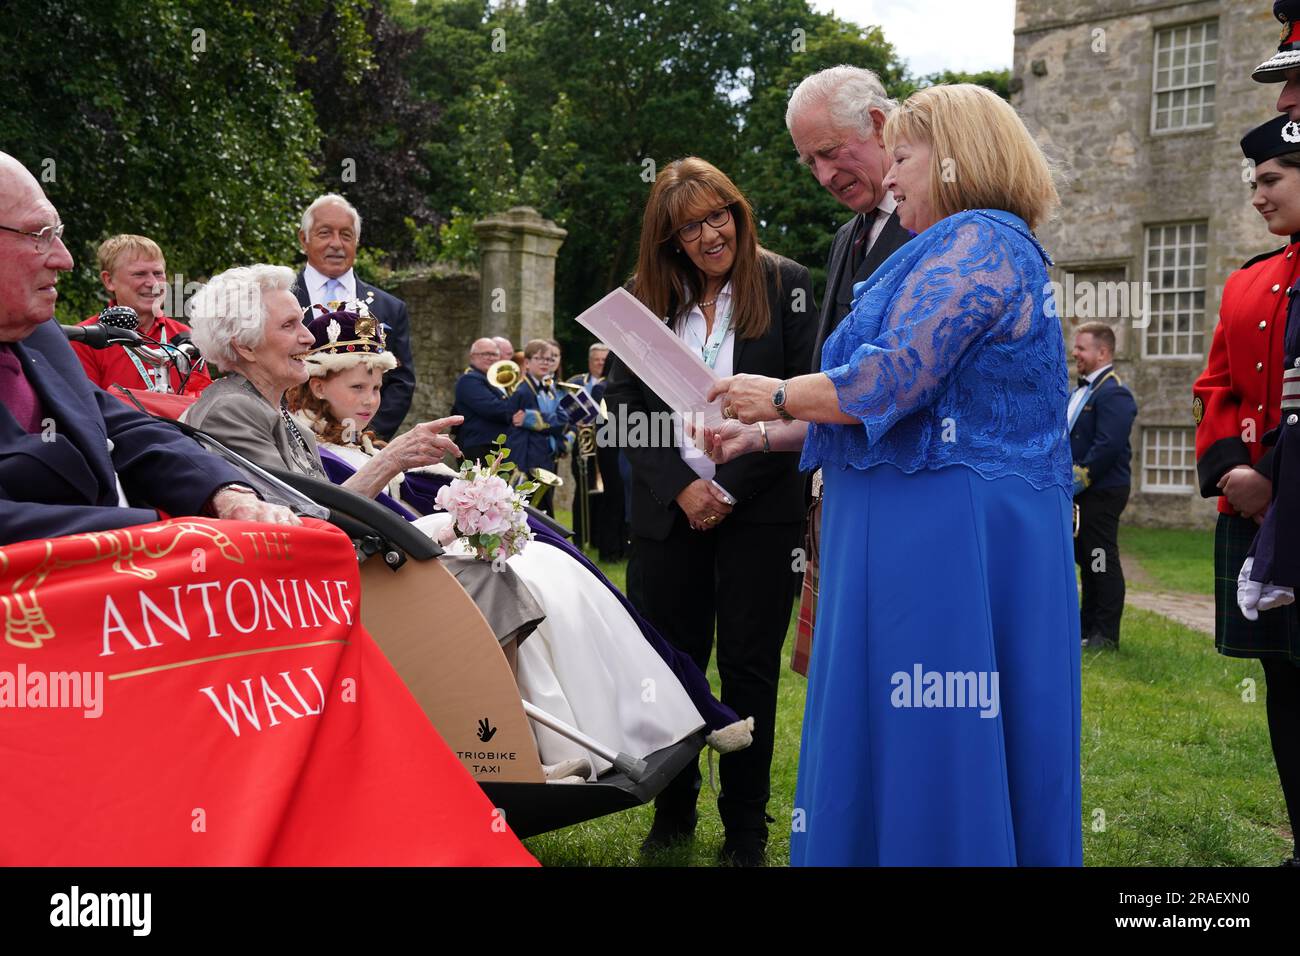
836, 118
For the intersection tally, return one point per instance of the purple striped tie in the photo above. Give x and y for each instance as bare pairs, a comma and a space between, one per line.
16, 391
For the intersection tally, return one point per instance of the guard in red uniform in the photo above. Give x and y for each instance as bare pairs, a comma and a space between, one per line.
1236, 401
134, 272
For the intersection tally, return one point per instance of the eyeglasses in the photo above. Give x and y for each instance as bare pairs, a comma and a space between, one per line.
691, 231
44, 239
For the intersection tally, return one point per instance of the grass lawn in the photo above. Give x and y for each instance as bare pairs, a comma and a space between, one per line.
615, 840
1175, 559
1176, 760
1178, 765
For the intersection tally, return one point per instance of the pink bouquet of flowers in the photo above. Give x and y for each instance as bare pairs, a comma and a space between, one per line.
486, 510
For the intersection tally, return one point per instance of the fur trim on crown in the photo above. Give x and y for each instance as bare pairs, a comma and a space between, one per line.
322, 363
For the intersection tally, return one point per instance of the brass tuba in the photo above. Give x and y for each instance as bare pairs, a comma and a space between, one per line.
504, 375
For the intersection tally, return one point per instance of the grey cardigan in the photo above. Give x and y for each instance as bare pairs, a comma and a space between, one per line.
235, 413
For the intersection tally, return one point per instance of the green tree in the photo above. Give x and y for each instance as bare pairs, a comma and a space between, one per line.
638, 83
572, 106
356, 61
493, 181
796, 216
999, 81
178, 119
649, 82
446, 69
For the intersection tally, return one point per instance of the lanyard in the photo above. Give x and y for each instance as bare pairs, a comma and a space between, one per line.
710, 349
155, 381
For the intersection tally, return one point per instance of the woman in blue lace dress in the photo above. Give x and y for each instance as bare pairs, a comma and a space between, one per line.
942, 719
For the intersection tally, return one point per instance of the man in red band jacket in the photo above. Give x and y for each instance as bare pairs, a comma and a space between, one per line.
134, 273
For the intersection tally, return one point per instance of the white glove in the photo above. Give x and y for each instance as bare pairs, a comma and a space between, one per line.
1253, 597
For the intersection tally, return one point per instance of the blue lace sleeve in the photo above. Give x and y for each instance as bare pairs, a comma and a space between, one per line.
953, 356
959, 292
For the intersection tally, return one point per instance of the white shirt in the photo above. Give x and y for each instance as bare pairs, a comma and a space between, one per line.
316, 282
691, 328
884, 210
1077, 397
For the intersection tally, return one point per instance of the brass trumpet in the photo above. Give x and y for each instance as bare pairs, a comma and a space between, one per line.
504, 375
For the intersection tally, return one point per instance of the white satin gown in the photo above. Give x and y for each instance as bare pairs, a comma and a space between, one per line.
587, 663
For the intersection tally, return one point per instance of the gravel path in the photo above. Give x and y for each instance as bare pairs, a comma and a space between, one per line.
1191, 610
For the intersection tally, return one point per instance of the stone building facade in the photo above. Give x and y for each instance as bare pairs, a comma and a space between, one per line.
1143, 103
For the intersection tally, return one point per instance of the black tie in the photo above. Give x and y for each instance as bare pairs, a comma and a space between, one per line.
860, 244
1083, 383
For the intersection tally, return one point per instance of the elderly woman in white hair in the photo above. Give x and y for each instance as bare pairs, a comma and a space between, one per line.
248, 323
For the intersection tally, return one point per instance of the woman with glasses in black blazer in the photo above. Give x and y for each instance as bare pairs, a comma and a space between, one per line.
713, 545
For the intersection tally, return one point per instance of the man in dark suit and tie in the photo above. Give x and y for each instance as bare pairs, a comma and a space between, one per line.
1100, 417
836, 119
331, 229
74, 459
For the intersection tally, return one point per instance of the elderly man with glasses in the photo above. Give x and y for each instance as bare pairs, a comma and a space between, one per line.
487, 409
73, 458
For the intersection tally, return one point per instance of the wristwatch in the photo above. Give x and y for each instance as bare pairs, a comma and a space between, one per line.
778, 402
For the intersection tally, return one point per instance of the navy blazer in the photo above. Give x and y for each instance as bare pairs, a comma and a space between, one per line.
531, 449
1099, 440
487, 410
66, 485
838, 301
399, 384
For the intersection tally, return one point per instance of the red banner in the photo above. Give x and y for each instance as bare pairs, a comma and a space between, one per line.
202, 692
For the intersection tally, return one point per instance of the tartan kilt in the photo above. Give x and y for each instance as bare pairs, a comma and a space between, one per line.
808, 595
1276, 635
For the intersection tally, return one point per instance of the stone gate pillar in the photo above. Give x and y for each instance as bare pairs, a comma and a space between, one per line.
517, 251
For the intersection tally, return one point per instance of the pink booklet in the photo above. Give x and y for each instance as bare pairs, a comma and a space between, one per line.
646, 345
